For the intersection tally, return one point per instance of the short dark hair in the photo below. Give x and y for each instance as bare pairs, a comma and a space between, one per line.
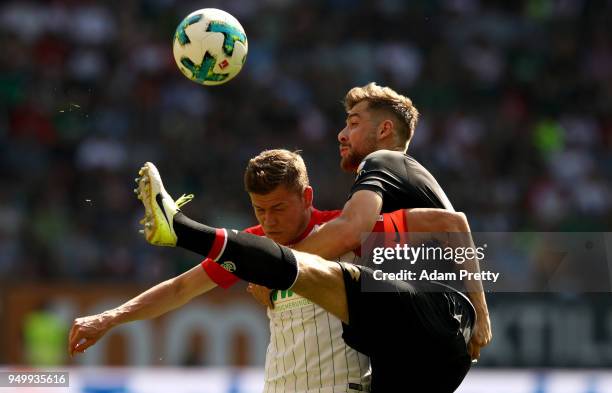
272, 168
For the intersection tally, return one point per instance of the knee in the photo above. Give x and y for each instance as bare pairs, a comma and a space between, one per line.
315, 269
316, 273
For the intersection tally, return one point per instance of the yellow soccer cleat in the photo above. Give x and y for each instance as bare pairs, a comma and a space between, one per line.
160, 208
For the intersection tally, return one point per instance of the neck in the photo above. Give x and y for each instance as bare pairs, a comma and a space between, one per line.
388, 144
304, 225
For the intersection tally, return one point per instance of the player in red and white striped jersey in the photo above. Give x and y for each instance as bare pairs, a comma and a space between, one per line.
306, 351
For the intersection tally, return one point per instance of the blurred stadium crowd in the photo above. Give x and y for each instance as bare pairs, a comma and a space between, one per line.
515, 100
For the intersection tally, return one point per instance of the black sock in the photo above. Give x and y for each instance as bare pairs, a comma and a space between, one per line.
252, 258
193, 236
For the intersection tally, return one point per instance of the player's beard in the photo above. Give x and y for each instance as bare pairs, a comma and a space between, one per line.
350, 162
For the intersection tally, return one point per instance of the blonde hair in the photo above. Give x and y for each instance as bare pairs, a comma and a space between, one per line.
272, 168
386, 99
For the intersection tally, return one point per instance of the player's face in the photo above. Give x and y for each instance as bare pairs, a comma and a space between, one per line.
358, 138
283, 213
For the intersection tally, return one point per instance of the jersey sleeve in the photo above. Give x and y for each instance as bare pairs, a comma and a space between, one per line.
218, 274
400, 181
376, 174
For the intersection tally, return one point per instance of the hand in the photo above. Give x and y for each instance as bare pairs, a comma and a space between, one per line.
86, 331
481, 336
261, 294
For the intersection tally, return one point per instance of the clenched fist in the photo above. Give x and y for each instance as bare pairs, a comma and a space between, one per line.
481, 336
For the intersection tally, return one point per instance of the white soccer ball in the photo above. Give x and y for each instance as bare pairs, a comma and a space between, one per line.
210, 46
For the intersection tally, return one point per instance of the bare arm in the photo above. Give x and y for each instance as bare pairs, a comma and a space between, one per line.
160, 299
343, 234
336, 237
439, 223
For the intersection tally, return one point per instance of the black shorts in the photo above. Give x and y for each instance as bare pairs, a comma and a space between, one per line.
415, 338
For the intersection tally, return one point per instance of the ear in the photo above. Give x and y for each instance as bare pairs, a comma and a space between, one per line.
308, 195
386, 128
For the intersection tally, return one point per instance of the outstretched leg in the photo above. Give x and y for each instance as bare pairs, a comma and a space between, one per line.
252, 258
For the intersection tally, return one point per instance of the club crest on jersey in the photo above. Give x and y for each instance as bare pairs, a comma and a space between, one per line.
229, 266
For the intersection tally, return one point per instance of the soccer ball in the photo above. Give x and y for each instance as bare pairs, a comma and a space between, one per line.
210, 46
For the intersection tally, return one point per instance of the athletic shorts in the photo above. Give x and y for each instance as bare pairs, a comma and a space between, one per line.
416, 339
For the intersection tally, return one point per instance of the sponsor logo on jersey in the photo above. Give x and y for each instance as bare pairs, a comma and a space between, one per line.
287, 300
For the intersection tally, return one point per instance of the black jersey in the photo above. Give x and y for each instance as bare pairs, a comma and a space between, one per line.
401, 182
414, 340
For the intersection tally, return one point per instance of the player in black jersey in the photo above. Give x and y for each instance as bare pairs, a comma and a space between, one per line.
423, 331
380, 124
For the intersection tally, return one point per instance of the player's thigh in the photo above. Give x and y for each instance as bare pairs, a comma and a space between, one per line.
321, 282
